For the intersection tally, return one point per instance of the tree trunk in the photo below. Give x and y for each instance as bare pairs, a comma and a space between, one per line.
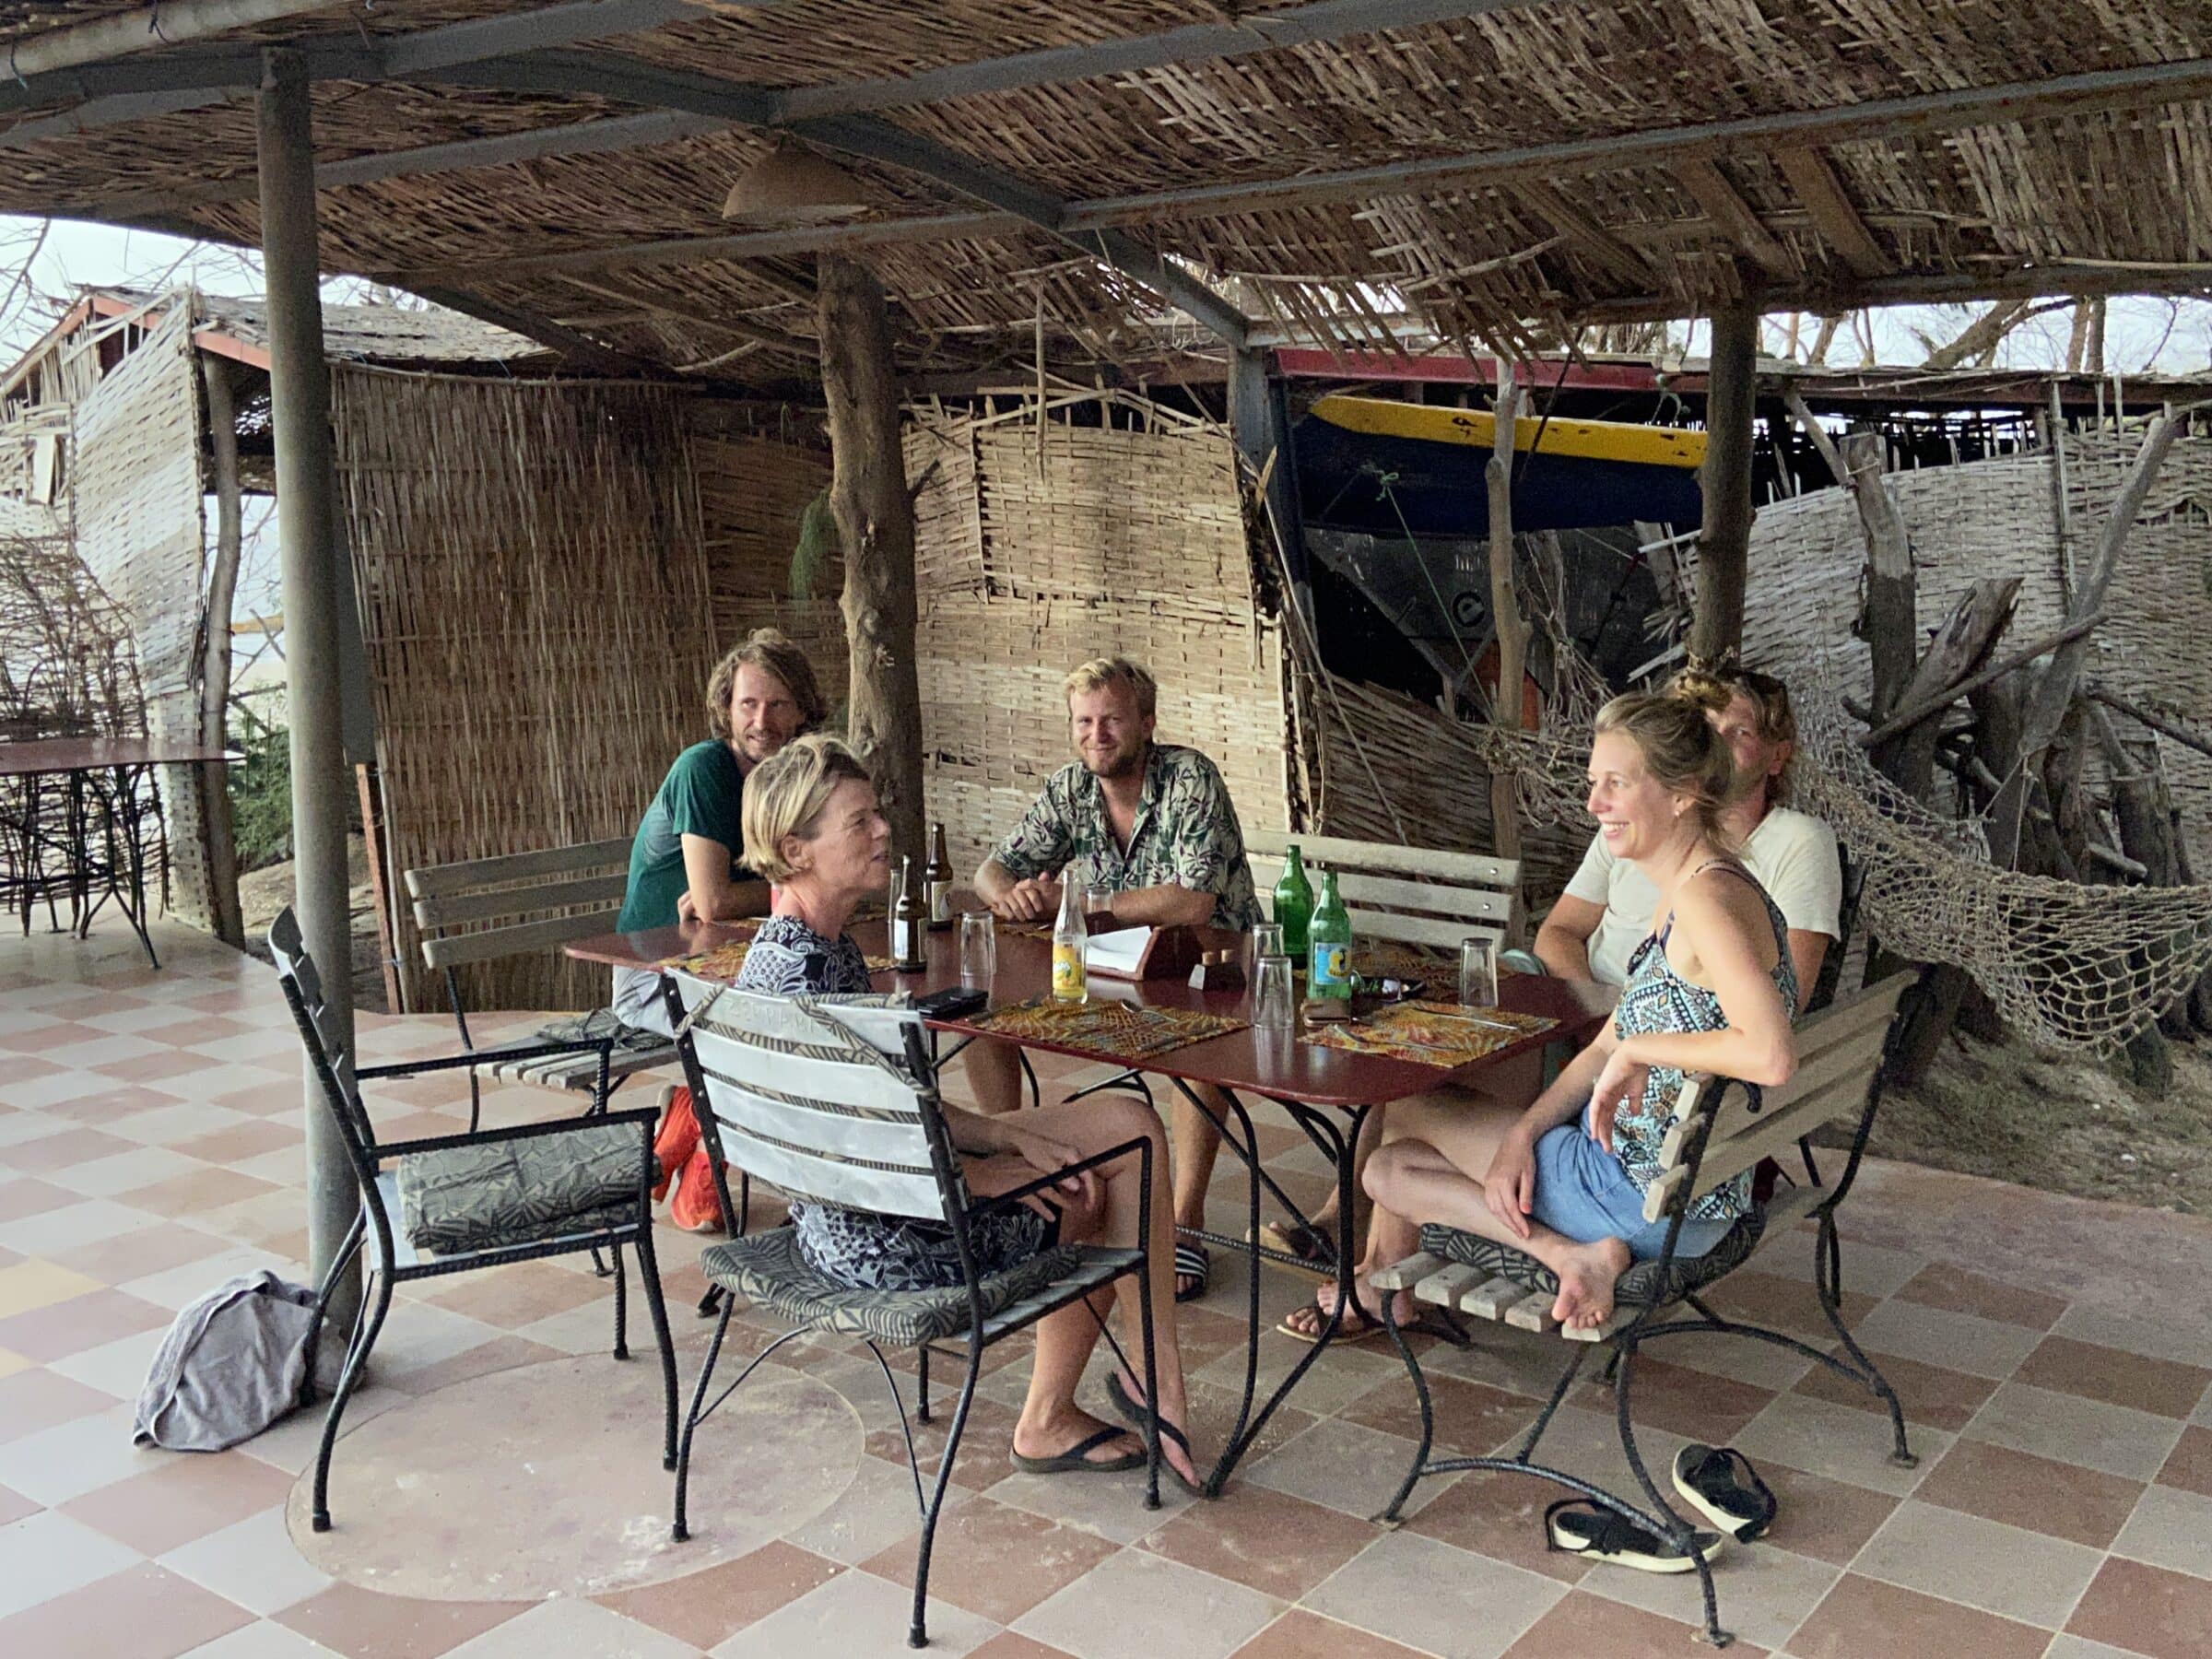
1823, 339
1724, 540
1510, 627
2077, 336
2092, 357
876, 525
213, 782
1892, 616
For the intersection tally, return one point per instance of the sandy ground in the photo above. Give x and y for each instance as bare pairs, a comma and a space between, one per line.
2061, 1123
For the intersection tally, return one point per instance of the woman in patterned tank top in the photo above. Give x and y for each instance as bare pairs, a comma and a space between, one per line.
1713, 989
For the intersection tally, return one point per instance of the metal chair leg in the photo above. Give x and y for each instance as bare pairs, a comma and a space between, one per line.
681, 1530
1035, 1088
1682, 1536
917, 1634
621, 1305
1387, 1310
357, 1357
922, 1389
648, 1278
1827, 1284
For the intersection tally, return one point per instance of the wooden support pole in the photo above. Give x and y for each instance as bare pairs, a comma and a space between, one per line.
876, 525
1507, 623
1893, 614
1724, 543
213, 782
306, 527
2153, 718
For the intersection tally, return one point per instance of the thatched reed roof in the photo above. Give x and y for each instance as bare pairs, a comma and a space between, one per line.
1045, 168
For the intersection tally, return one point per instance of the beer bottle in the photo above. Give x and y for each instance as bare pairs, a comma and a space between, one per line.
1069, 932
1294, 904
1331, 938
907, 918
936, 879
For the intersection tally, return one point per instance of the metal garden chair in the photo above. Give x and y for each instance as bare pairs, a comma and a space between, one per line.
478, 1199
1719, 1130
835, 1100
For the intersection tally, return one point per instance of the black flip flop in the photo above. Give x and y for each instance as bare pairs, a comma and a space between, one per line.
1578, 1526
1192, 1262
1133, 1413
1312, 1249
1720, 1484
1074, 1462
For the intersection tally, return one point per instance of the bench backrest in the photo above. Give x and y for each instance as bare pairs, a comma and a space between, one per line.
1414, 895
1839, 1053
829, 1101
302, 989
484, 909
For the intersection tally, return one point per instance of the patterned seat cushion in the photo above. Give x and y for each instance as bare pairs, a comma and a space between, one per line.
767, 1268
1640, 1285
517, 1192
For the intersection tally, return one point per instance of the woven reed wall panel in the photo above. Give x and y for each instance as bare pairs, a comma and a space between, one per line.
752, 493
1995, 519
140, 529
1036, 550
534, 603
1431, 772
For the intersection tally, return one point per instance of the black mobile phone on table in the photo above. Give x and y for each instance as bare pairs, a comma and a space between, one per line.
955, 1002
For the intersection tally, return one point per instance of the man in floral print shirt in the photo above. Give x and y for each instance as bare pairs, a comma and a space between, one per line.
1151, 822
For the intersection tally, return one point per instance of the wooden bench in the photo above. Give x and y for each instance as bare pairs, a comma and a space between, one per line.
1408, 895
487, 908
1719, 1130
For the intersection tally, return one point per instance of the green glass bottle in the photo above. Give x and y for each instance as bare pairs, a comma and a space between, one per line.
1294, 904
1330, 938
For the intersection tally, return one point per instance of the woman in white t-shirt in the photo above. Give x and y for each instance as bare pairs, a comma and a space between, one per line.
1607, 910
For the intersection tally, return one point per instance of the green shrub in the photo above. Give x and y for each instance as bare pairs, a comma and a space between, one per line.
261, 791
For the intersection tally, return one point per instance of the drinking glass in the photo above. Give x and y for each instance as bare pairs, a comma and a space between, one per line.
1266, 940
1479, 973
979, 947
1274, 997
1097, 899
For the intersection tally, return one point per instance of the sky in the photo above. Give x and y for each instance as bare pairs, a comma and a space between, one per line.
2141, 333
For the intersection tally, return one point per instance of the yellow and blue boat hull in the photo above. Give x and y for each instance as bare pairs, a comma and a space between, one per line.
1371, 464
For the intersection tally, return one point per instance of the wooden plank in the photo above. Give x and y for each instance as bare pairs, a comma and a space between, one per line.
1776, 1135
513, 941
1435, 899
1710, 188
1490, 1298
1399, 1275
433, 881
1532, 1312
1664, 1185
1420, 929
451, 910
1608, 251
1855, 1061
1619, 1320
1463, 869
1444, 1285
1822, 193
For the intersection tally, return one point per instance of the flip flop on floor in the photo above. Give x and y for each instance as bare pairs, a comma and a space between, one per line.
1310, 1245
1720, 1484
1192, 1262
1578, 1526
1355, 1326
1074, 1462
1133, 1413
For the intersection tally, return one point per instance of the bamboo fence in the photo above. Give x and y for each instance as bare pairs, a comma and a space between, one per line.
534, 604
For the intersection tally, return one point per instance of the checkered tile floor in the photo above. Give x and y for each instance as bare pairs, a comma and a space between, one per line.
2054, 1357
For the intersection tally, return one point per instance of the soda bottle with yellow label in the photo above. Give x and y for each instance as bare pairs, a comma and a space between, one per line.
1069, 932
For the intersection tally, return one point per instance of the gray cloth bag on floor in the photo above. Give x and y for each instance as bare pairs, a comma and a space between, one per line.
233, 1363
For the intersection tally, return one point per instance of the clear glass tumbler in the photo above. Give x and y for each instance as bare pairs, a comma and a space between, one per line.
1267, 940
1273, 995
1095, 900
1479, 973
979, 947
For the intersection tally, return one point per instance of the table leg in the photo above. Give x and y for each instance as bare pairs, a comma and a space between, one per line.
134, 816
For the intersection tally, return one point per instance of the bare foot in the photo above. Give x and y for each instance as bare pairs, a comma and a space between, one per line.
1587, 1275
1067, 1429
1307, 1322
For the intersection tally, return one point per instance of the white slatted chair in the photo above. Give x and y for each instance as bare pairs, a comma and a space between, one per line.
835, 1101
1408, 895
483, 910
1719, 1130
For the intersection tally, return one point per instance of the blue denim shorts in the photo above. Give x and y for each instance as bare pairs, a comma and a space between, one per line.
1585, 1193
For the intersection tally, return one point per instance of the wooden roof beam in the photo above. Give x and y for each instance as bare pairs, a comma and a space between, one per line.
144, 28
1710, 188
1822, 193
1608, 250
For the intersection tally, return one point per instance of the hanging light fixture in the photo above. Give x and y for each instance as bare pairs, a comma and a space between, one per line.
791, 186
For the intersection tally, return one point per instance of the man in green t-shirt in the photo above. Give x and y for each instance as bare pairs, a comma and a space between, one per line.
683, 863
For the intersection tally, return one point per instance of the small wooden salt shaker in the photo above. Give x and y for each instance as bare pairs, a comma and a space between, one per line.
1217, 971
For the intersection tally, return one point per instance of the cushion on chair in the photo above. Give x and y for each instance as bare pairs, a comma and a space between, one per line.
1641, 1284
518, 1192
767, 1268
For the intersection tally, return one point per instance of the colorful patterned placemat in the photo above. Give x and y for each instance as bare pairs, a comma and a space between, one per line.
722, 963
1111, 1030
1431, 1033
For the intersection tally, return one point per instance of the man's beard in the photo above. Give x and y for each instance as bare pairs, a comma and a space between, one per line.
1121, 766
